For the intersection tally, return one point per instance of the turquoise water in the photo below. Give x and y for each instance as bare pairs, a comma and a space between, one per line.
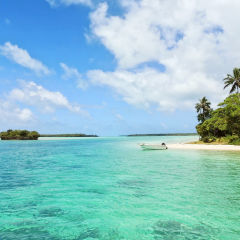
109, 189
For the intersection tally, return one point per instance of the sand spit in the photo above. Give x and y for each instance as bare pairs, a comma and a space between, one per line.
185, 146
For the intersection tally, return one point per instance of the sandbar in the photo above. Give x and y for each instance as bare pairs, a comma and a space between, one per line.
186, 146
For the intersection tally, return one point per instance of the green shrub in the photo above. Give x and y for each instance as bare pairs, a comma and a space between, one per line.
205, 139
234, 139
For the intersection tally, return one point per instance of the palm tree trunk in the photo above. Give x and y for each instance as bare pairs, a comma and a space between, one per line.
238, 93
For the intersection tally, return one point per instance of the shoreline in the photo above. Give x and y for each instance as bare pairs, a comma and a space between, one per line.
187, 146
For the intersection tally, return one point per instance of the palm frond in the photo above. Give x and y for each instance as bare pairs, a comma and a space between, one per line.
227, 84
233, 80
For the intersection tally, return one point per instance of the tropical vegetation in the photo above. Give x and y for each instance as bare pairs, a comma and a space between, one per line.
19, 135
233, 81
161, 134
221, 125
68, 135
203, 109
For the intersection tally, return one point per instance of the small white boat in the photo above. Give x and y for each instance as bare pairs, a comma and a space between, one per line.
153, 146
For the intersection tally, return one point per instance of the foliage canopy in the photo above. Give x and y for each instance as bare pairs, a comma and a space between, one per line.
19, 135
233, 81
224, 122
203, 109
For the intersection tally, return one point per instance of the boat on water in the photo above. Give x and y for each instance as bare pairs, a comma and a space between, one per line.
146, 146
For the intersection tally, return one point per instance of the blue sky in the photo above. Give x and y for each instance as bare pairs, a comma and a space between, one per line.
112, 67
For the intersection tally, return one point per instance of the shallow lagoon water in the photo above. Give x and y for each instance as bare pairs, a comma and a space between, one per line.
109, 189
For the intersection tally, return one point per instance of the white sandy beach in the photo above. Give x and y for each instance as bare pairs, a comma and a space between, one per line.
186, 146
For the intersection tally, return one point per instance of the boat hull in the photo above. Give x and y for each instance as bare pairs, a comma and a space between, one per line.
153, 147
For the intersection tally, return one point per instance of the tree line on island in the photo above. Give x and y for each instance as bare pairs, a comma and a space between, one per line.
19, 135
162, 134
221, 125
68, 135
34, 135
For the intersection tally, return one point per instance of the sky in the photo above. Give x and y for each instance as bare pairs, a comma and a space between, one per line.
113, 67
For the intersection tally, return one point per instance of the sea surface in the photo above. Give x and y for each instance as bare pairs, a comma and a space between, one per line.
110, 189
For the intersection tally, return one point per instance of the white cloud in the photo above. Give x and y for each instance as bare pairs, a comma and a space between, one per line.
10, 113
24, 114
72, 73
35, 95
148, 87
195, 41
15, 106
22, 57
54, 3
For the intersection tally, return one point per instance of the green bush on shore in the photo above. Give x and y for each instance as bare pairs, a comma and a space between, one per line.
224, 123
19, 135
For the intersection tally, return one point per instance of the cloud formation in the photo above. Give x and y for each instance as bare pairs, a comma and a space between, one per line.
23, 58
169, 53
73, 73
48, 101
20, 107
55, 3
10, 113
148, 86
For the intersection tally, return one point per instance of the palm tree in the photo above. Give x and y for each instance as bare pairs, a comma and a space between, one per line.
233, 81
203, 109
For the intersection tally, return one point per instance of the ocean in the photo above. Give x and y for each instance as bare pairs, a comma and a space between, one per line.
108, 188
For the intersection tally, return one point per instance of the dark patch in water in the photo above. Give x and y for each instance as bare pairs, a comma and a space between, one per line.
51, 212
76, 166
133, 184
28, 233
139, 194
172, 230
13, 180
96, 191
89, 233
12, 207
31, 204
167, 229
113, 234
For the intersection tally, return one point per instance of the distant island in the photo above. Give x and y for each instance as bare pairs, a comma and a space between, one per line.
163, 134
33, 135
19, 135
67, 135
222, 125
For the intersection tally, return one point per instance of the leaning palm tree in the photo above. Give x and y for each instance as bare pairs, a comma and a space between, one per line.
203, 109
233, 80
